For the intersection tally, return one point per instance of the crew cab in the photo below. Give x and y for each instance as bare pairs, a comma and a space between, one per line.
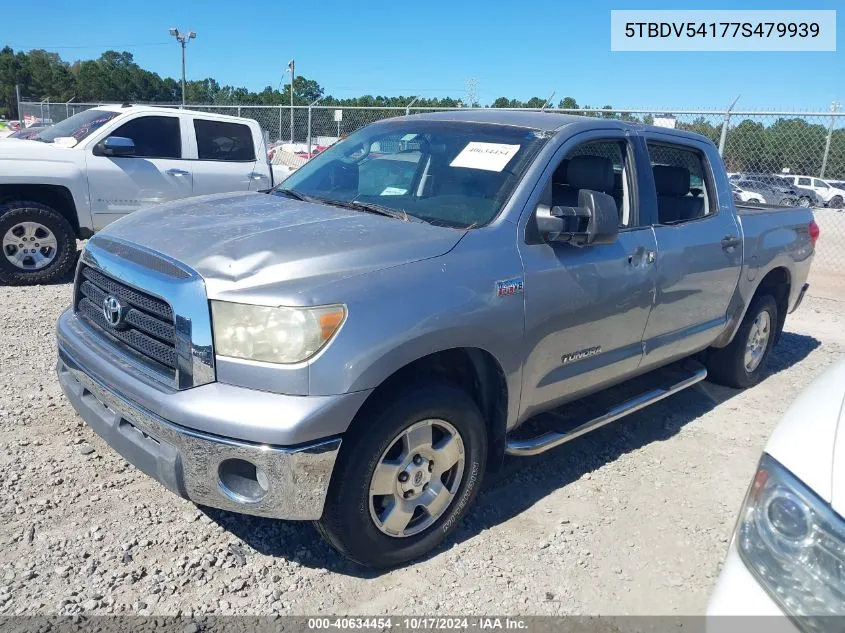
77, 176
361, 345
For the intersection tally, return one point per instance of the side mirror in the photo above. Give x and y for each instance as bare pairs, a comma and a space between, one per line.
594, 221
115, 146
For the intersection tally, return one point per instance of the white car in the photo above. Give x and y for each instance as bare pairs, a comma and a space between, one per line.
831, 195
787, 556
77, 176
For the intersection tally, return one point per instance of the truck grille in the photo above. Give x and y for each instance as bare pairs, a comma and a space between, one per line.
147, 324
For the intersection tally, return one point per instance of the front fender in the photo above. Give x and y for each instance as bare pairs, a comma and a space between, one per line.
402, 314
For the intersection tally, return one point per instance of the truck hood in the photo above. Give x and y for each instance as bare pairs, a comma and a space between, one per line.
810, 438
26, 149
254, 247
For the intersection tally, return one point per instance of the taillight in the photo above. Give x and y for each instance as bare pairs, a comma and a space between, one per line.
814, 231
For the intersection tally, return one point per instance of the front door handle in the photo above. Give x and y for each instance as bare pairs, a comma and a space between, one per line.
729, 241
177, 172
254, 175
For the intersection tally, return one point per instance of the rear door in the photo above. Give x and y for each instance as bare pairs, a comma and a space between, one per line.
699, 247
585, 307
224, 157
156, 173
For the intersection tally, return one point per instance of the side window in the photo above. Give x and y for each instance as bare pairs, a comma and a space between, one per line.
154, 136
683, 188
803, 182
598, 166
221, 140
820, 183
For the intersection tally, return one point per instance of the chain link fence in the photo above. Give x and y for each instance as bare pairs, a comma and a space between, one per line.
754, 145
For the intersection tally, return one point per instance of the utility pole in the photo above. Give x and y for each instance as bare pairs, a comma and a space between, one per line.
292, 69
183, 39
834, 108
472, 91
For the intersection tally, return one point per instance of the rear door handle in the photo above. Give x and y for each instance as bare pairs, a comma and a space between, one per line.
729, 241
177, 172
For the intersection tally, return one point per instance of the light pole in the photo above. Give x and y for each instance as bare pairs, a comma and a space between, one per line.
183, 39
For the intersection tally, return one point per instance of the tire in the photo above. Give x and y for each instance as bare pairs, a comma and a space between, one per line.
754, 201
835, 202
727, 365
350, 514
52, 263
805, 202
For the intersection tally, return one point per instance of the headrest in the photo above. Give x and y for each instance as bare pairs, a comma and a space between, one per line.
671, 181
590, 172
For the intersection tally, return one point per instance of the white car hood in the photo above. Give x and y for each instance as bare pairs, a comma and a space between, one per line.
810, 438
26, 149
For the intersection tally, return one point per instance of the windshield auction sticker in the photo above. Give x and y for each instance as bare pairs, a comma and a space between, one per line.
723, 30
487, 156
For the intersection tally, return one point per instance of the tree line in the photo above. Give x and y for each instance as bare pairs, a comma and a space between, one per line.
792, 143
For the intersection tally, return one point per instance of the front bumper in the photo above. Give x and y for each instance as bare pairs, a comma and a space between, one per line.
288, 481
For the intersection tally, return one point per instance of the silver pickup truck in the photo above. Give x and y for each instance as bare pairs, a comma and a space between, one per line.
359, 346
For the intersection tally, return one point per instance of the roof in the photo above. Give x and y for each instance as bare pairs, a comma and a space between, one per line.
544, 120
114, 107
533, 119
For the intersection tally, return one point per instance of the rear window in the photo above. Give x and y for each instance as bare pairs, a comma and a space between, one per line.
221, 140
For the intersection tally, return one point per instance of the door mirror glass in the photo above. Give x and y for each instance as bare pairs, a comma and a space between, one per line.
594, 221
115, 146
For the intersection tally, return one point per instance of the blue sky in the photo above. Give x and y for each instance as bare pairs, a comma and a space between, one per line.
514, 49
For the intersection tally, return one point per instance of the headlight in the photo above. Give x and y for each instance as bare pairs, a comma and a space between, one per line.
273, 335
795, 545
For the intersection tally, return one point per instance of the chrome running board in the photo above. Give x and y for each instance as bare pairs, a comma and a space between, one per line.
547, 441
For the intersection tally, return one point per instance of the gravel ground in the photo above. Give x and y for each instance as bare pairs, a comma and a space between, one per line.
633, 519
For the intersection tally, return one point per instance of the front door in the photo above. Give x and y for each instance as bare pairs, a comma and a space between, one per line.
586, 307
155, 173
699, 249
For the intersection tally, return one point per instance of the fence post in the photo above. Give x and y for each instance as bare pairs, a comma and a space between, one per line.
239, 111
833, 109
408, 107
309, 125
18, 95
725, 124
280, 123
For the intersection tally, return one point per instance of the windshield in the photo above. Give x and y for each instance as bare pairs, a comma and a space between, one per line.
457, 174
78, 126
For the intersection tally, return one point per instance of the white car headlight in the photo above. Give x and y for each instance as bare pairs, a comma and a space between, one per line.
273, 335
795, 544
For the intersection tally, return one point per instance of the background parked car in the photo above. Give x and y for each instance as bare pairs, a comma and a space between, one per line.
761, 192
830, 194
27, 132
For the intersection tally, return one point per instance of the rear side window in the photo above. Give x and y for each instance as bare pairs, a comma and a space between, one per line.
684, 191
154, 136
220, 140
804, 182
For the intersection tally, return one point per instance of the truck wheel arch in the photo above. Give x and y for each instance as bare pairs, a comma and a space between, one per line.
57, 197
776, 282
474, 370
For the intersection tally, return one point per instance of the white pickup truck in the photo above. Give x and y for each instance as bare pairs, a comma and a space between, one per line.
79, 175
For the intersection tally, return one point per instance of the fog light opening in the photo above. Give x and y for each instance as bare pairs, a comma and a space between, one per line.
242, 481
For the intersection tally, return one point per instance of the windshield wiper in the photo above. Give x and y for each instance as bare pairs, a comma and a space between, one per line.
371, 207
291, 193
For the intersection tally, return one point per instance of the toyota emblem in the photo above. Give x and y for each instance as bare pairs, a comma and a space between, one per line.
112, 310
